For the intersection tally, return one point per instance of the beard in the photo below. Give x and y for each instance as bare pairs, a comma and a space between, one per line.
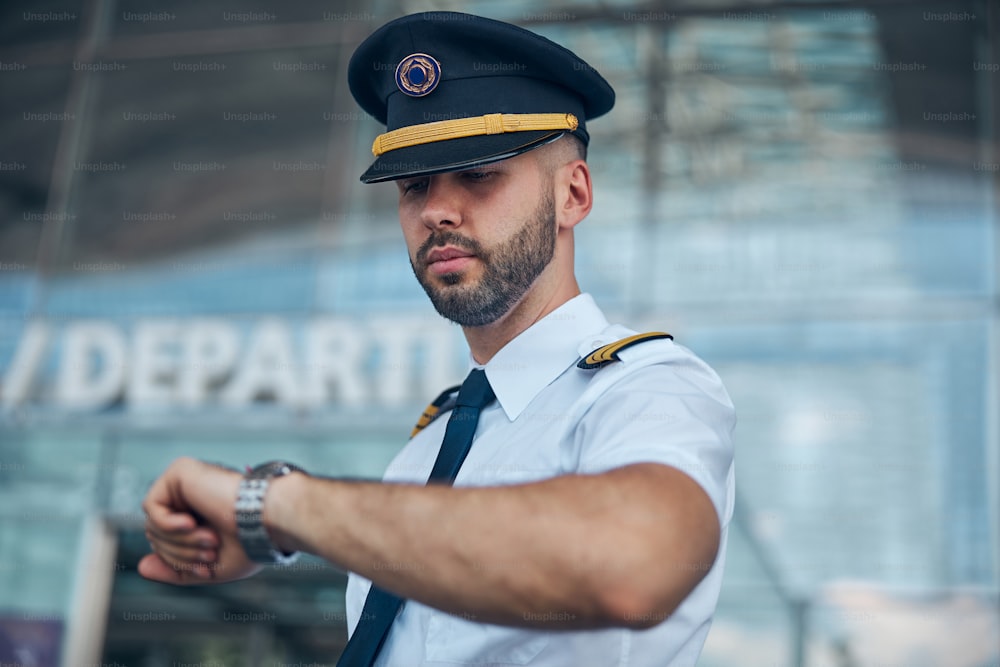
509, 269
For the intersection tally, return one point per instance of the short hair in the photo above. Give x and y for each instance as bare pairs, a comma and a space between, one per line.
565, 149
579, 148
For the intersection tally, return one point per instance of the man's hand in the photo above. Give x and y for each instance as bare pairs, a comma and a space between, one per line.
191, 526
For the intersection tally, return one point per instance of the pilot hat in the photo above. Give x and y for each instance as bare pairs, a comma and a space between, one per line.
456, 91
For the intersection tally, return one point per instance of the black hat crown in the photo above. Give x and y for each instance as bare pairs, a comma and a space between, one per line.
457, 90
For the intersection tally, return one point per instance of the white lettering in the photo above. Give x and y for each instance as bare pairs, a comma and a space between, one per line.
163, 362
154, 363
267, 371
438, 369
92, 370
334, 352
395, 358
20, 376
209, 353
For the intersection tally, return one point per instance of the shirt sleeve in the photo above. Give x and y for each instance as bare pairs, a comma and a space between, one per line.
673, 411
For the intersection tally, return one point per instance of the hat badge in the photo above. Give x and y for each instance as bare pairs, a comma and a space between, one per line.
418, 74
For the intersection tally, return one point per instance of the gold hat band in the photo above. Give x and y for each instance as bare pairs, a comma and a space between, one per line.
492, 123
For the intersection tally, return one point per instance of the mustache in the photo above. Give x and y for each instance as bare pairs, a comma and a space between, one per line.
441, 239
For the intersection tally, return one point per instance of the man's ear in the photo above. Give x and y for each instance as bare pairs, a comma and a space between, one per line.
574, 193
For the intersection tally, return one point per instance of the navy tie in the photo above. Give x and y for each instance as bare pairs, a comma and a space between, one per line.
381, 607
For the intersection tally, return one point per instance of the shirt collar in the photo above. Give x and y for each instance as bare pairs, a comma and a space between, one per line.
540, 354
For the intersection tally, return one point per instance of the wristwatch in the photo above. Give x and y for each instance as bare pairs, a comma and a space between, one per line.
249, 509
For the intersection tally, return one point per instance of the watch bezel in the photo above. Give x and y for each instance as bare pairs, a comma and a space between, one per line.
272, 469
249, 512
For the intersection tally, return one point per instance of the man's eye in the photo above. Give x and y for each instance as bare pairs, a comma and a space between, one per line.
414, 187
477, 175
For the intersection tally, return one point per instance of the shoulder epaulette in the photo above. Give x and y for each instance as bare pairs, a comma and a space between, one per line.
608, 353
443, 403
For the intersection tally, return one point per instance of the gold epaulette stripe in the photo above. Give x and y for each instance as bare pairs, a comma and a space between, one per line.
432, 411
493, 123
608, 353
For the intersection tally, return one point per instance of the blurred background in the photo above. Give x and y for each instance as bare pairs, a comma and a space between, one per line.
803, 192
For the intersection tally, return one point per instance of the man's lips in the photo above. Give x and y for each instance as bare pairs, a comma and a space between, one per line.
446, 253
448, 260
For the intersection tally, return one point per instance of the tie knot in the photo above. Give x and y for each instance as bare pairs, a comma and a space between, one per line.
476, 391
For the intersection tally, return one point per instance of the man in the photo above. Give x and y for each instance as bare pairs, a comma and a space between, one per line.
587, 520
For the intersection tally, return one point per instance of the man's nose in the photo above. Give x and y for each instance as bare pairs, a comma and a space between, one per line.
442, 203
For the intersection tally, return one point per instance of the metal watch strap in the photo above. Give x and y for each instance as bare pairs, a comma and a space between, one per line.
249, 514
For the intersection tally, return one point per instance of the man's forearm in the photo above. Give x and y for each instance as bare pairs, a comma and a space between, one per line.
618, 548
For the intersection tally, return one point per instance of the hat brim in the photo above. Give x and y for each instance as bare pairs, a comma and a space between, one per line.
454, 155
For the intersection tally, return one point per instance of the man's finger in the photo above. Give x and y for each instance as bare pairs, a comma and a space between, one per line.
177, 522
202, 538
169, 520
174, 553
153, 567
164, 508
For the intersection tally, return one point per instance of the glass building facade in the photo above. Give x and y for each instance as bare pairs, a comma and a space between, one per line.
804, 193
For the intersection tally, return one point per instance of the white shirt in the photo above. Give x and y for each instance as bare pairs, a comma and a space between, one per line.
660, 403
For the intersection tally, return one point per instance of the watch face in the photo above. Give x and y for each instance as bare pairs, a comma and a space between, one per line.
273, 469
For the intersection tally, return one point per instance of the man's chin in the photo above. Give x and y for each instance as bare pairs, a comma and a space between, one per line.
450, 279
462, 308
443, 280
